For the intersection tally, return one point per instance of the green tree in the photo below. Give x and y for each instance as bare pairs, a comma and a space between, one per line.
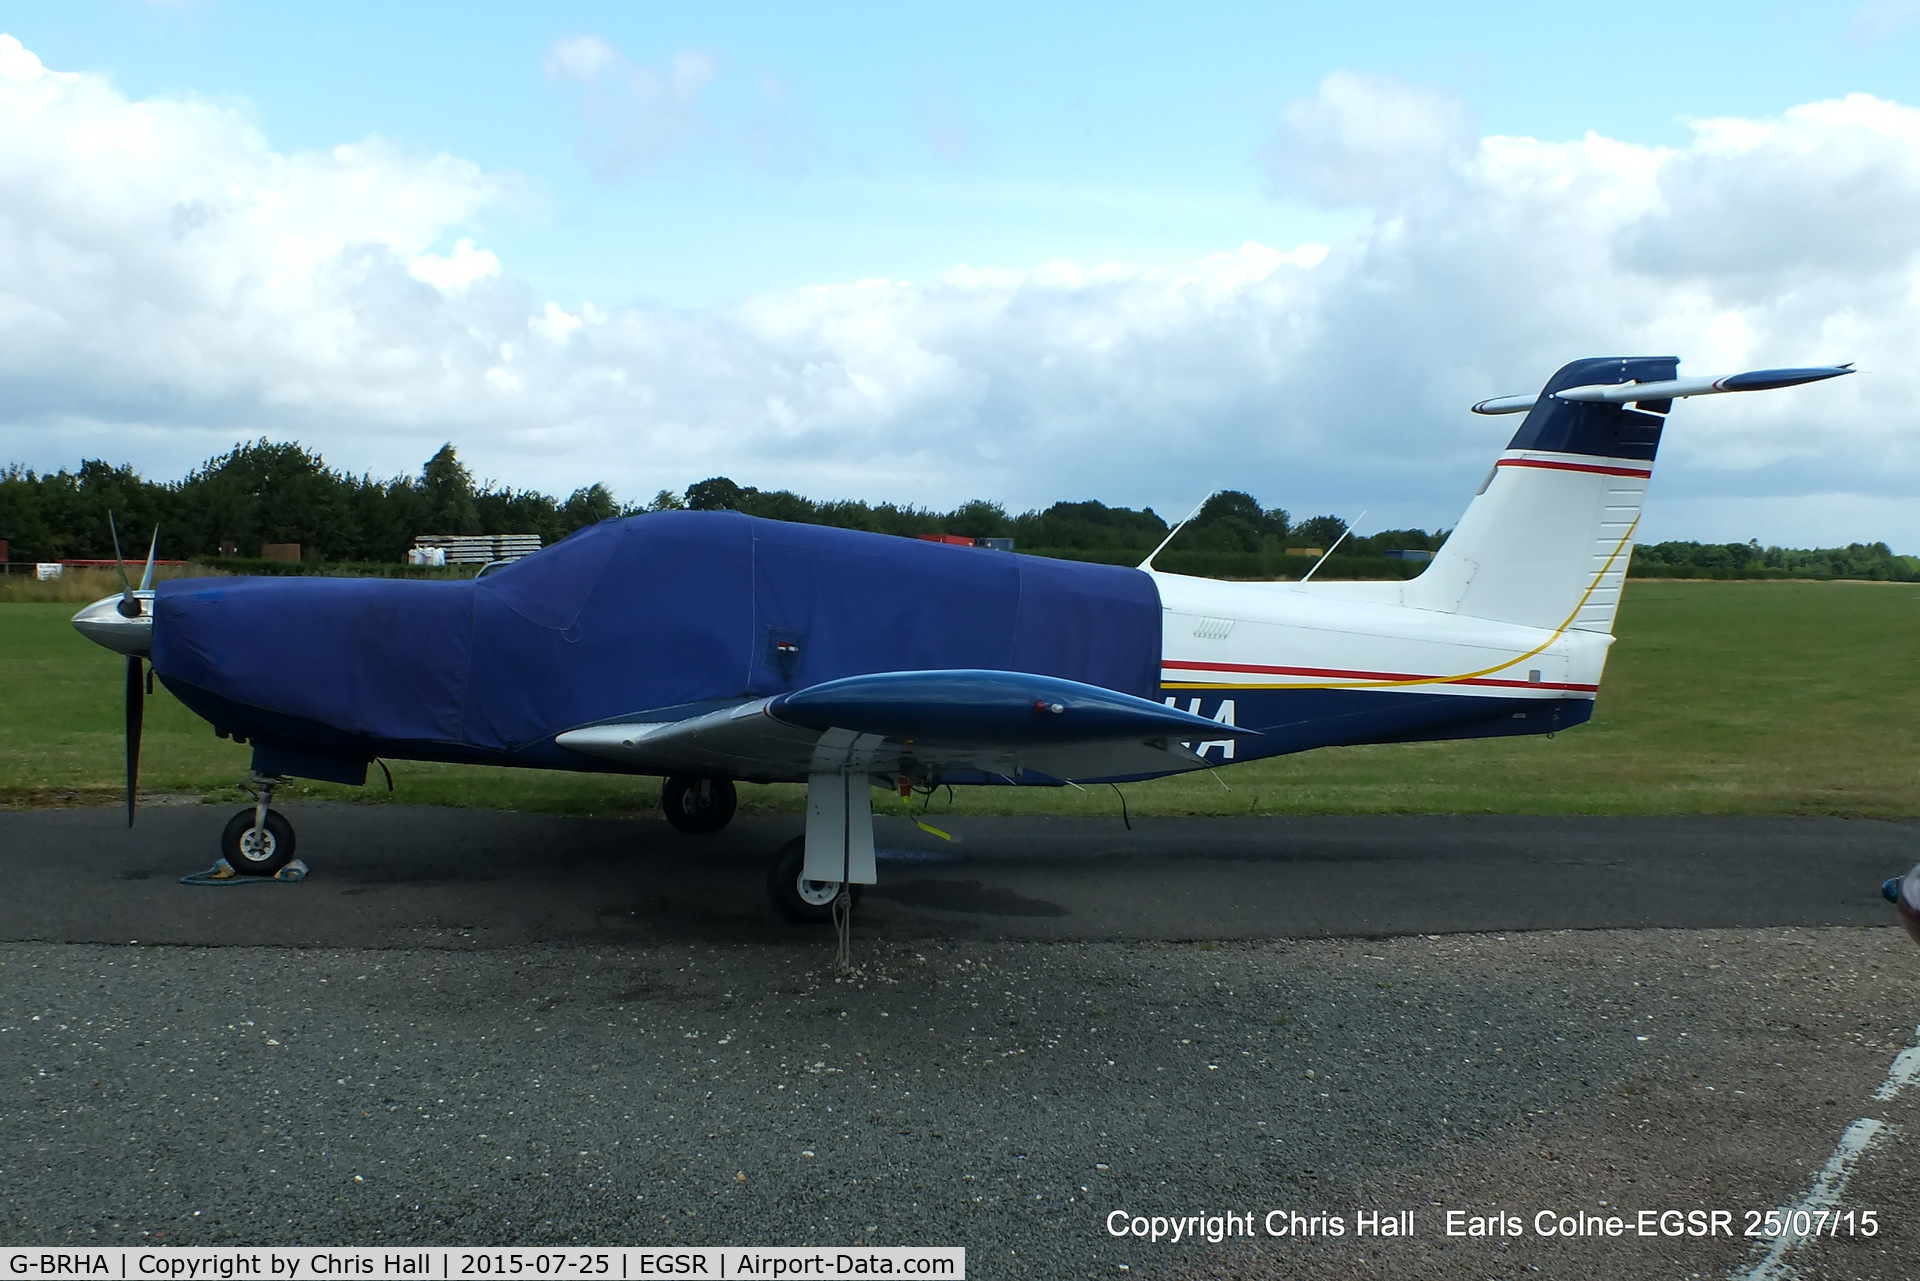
588, 505
1234, 521
979, 519
63, 514
268, 493
1320, 531
520, 511
715, 494
452, 506
1090, 526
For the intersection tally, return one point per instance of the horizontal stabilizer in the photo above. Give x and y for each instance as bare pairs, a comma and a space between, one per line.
1670, 389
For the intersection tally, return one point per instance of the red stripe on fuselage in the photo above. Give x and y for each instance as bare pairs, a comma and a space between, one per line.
1340, 673
1597, 469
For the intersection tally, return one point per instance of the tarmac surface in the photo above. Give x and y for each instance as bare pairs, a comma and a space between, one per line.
474, 1028
405, 876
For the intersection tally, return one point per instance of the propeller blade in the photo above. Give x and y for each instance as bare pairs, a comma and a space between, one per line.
129, 606
146, 579
136, 712
119, 561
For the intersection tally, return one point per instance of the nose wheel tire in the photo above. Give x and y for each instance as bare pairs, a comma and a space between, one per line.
257, 854
698, 805
800, 900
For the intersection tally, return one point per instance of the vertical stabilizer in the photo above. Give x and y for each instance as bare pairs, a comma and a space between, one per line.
1545, 543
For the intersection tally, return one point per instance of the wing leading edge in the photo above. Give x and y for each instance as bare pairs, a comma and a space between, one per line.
920, 724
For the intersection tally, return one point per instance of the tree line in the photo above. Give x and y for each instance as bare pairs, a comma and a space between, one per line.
268, 492
1228, 522
1873, 561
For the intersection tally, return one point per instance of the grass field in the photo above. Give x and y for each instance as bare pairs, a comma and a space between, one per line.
81, 586
1720, 698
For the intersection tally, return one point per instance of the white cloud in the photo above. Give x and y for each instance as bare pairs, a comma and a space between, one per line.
169, 282
17, 62
631, 114
1360, 138
1876, 20
777, 135
457, 271
555, 323
580, 58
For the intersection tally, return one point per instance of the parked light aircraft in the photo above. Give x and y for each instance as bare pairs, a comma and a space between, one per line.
710, 647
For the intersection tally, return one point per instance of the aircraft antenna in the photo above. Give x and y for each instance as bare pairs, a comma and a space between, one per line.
1148, 562
1336, 543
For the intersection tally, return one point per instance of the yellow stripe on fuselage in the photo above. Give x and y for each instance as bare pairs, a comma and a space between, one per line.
1405, 682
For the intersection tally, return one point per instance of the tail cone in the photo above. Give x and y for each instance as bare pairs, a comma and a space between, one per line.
1904, 893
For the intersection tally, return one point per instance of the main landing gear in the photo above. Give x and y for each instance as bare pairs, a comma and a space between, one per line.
698, 805
816, 879
258, 841
797, 897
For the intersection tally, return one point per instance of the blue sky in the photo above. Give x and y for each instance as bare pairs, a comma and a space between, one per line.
810, 245
908, 138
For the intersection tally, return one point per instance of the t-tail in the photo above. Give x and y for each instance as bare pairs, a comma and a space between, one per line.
1546, 541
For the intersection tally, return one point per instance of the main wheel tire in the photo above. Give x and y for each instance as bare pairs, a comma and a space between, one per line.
263, 857
801, 901
698, 805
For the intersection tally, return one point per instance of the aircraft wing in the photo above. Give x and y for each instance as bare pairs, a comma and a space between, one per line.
919, 723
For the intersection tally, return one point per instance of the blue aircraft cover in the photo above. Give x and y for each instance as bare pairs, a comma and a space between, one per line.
679, 611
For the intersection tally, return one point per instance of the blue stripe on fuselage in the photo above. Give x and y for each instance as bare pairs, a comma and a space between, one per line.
1298, 720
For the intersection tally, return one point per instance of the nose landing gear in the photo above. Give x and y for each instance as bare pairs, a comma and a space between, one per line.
258, 841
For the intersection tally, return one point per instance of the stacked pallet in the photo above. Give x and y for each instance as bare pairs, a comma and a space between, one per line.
479, 549
514, 546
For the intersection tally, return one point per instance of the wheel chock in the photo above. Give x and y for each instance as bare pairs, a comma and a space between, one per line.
222, 873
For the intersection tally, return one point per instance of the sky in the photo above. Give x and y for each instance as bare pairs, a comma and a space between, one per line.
931, 253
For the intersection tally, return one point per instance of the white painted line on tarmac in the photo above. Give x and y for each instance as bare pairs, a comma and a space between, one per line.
1906, 1066
1825, 1195
1832, 1182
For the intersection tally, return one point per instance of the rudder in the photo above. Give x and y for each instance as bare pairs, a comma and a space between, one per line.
1546, 541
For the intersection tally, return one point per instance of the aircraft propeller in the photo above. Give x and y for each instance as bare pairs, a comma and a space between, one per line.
136, 712
133, 606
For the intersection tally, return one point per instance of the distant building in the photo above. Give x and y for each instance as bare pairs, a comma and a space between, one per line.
289, 552
961, 540
1403, 553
